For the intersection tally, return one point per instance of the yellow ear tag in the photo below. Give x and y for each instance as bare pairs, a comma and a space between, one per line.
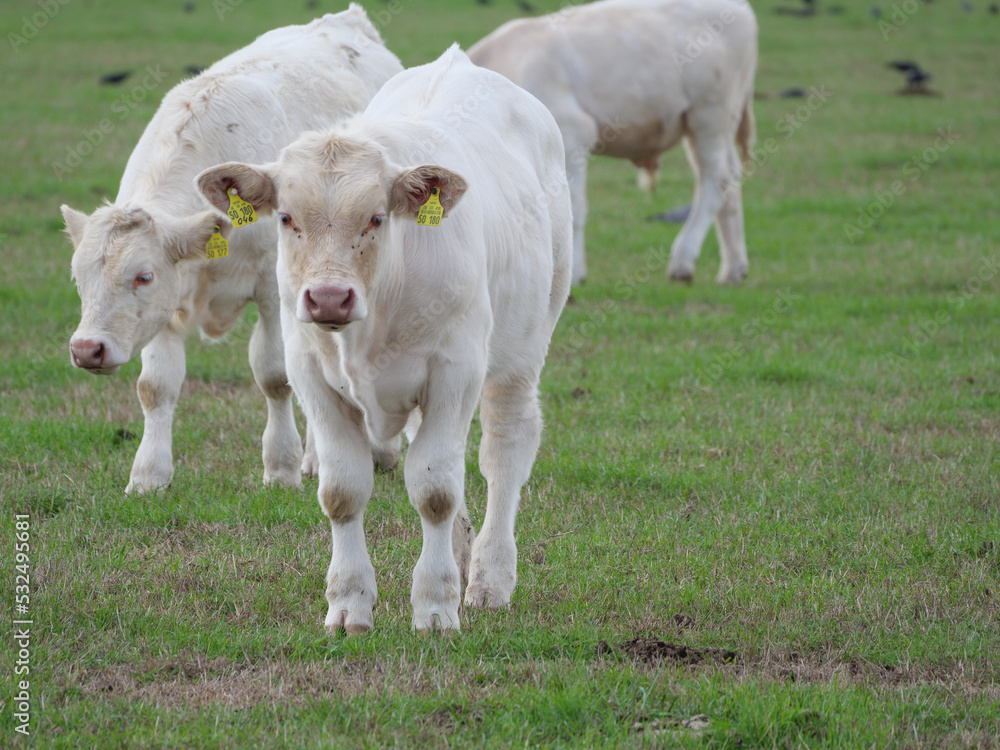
240, 211
431, 212
217, 246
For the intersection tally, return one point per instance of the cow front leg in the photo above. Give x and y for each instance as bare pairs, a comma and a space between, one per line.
159, 386
346, 480
282, 449
512, 428
435, 481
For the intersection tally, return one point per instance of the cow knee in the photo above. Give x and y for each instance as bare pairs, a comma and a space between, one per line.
435, 506
149, 394
275, 387
339, 504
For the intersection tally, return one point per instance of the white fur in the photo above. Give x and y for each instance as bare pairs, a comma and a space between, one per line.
453, 314
246, 106
631, 78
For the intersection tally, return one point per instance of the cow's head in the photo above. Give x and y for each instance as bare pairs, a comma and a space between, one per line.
125, 267
338, 200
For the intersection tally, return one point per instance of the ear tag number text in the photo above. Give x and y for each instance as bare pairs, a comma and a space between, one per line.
240, 212
431, 212
217, 246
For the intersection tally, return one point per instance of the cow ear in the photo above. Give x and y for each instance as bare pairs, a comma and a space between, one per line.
254, 184
76, 222
413, 187
186, 238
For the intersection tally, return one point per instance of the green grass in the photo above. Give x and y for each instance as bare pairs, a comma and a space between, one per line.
803, 470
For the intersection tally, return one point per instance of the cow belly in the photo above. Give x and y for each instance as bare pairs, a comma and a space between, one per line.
640, 142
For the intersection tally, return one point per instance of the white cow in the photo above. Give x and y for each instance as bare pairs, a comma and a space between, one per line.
389, 319
631, 78
140, 263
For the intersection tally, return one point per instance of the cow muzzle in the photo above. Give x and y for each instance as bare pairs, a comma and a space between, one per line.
93, 356
329, 306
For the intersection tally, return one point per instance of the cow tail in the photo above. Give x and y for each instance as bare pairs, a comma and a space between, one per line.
746, 132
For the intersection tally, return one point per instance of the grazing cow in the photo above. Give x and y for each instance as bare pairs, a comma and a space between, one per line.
423, 261
631, 78
141, 263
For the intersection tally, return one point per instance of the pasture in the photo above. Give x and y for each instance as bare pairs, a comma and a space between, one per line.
761, 516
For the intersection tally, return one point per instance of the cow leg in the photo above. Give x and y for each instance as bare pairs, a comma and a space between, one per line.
576, 173
435, 481
729, 226
580, 135
346, 480
310, 464
649, 168
282, 449
159, 386
709, 160
512, 427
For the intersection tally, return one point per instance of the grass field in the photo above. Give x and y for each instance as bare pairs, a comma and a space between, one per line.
793, 485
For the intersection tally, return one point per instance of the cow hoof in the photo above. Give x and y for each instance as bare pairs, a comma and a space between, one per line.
486, 597
146, 486
290, 477
731, 276
682, 275
445, 624
336, 622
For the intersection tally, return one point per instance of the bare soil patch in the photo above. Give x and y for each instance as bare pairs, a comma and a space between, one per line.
650, 650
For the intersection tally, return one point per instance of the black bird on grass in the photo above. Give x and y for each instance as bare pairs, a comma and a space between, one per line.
675, 216
809, 10
112, 79
916, 78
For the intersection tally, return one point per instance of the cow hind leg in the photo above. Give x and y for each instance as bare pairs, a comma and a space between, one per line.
576, 172
386, 454
310, 463
709, 159
580, 138
282, 448
729, 227
512, 427
159, 386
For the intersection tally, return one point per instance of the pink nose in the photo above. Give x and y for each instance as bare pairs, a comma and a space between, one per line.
329, 304
88, 354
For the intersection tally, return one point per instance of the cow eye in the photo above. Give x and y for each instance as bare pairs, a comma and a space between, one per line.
143, 279
286, 220
377, 220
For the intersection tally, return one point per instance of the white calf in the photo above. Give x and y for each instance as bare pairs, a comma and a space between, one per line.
141, 266
631, 78
423, 261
